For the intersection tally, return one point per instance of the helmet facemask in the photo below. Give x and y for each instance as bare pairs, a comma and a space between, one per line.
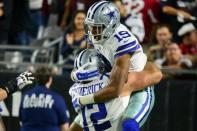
95, 33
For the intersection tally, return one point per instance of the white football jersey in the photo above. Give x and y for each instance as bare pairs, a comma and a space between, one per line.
102, 116
123, 42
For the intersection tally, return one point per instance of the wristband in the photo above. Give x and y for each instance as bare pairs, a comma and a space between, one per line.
89, 99
10, 87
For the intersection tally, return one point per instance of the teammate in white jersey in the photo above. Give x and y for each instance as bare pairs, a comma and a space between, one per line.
92, 71
125, 55
102, 116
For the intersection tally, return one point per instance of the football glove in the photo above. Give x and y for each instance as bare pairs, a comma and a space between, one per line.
20, 82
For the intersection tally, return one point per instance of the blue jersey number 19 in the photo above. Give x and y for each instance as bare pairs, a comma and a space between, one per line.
122, 35
95, 117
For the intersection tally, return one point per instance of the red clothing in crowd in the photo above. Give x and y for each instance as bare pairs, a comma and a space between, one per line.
151, 13
188, 49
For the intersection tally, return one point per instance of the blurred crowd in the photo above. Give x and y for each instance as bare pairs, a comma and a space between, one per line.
167, 29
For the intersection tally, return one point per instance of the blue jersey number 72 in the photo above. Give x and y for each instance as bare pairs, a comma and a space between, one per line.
95, 117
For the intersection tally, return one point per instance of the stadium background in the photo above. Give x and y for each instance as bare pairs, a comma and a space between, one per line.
174, 110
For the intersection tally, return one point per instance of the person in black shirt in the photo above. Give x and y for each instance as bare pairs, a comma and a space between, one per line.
177, 12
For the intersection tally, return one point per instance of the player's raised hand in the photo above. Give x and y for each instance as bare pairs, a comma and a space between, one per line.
24, 79
20, 82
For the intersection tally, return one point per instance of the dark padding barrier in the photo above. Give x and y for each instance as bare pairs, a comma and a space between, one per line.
175, 105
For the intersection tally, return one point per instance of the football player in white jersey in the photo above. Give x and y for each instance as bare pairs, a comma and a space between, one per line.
125, 55
94, 75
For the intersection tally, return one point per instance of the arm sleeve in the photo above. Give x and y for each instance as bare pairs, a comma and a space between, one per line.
138, 61
126, 43
127, 48
74, 95
73, 92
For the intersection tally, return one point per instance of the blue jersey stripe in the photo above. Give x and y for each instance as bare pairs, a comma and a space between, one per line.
126, 46
127, 51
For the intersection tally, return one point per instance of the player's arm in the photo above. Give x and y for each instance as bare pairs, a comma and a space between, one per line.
118, 78
149, 76
75, 127
24, 79
75, 97
126, 49
3, 94
138, 80
65, 15
2, 126
174, 11
64, 127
